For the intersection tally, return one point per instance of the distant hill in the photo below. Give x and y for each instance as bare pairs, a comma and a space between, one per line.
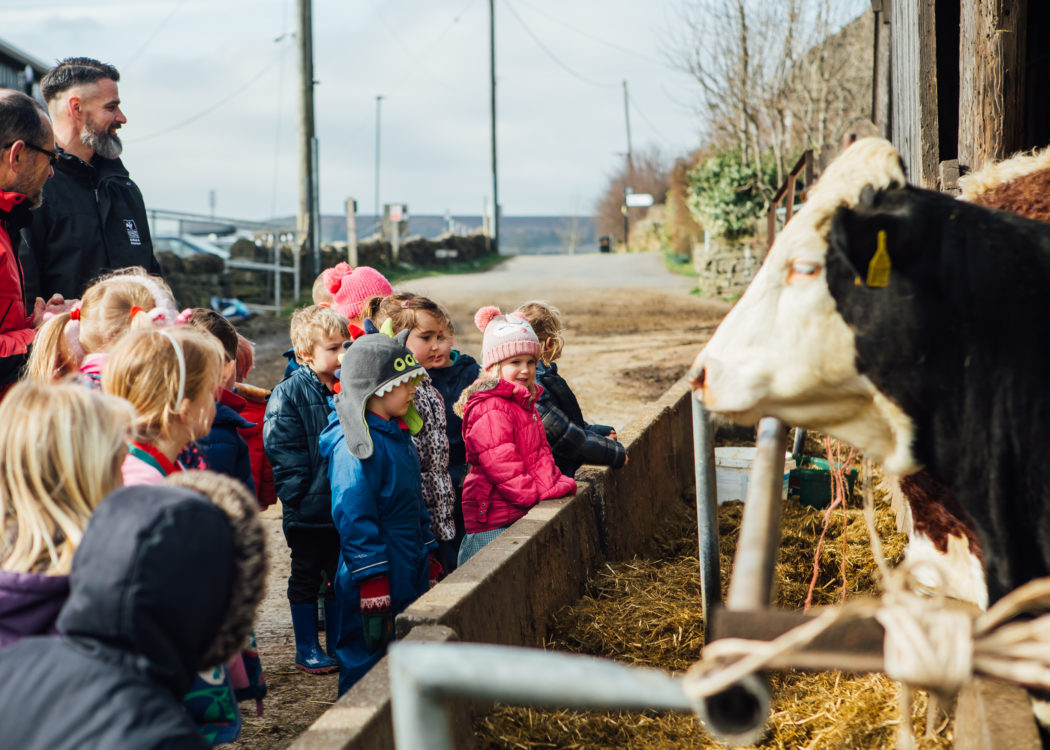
521, 235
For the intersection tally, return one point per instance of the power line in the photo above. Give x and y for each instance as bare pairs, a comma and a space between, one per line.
554, 57
225, 100
411, 55
152, 36
641, 113
598, 39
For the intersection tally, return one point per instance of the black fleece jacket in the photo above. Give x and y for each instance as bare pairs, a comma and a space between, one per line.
93, 220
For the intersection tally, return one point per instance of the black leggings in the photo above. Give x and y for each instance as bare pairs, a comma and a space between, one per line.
314, 550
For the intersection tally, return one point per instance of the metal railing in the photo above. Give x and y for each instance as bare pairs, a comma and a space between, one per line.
786, 194
272, 234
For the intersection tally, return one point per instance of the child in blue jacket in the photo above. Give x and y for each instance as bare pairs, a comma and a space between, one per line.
385, 540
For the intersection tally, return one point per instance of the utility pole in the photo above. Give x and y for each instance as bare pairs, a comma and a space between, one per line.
627, 119
379, 219
307, 194
492, 101
630, 172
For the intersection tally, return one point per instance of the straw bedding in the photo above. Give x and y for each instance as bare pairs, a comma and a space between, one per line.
647, 611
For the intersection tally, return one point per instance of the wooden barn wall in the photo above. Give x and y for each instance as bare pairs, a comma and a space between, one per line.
914, 124
991, 80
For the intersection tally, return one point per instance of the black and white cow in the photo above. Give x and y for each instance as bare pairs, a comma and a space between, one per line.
945, 367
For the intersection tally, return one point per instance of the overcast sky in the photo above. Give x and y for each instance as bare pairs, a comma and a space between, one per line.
210, 91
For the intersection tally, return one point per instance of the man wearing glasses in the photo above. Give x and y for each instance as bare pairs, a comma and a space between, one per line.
26, 163
94, 218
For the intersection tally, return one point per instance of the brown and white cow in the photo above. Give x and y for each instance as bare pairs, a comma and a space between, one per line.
945, 367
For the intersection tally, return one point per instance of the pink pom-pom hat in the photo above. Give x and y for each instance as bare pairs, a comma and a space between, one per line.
350, 287
506, 336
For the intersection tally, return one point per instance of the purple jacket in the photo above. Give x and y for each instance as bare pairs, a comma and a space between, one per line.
29, 604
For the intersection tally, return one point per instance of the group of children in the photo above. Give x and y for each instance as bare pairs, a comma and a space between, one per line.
395, 457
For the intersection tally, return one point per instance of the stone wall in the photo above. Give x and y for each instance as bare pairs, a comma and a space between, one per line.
196, 279
726, 268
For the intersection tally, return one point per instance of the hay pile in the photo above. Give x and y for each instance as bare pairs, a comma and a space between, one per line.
647, 611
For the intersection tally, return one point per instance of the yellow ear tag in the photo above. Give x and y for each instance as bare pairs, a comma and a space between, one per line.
879, 267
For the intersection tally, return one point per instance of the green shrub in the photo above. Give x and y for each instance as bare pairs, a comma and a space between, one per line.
727, 195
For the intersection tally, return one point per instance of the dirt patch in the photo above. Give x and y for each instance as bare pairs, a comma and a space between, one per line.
624, 347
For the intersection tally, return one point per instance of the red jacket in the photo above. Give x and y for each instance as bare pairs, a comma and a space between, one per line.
511, 465
262, 472
16, 328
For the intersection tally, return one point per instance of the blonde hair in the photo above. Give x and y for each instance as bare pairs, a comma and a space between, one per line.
61, 448
312, 324
146, 370
105, 314
546, 321
320, 293
404, 309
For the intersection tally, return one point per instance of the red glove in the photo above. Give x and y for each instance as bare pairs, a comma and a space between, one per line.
377, 618
436, 571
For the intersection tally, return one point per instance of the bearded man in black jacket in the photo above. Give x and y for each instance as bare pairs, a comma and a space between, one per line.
94, 218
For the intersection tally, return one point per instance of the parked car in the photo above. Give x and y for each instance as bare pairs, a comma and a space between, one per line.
186, 246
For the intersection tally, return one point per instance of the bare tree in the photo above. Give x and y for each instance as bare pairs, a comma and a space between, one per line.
773, 76
648, 172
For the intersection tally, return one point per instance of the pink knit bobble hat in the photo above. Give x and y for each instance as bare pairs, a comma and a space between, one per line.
506, 336
352, 286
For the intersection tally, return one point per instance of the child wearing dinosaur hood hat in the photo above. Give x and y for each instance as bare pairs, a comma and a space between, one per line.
377, 501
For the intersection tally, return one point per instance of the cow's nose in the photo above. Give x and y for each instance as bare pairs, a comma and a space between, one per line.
696, 377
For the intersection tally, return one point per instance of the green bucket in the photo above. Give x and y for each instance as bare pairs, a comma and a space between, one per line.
810, 482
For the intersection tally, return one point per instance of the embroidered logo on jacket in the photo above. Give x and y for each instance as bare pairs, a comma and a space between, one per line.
133, 232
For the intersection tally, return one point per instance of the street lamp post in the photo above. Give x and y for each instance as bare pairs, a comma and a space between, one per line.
379, 221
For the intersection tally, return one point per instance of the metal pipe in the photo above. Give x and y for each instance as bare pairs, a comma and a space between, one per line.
424, 676
800, 441
706, 510
752, 583
737, 716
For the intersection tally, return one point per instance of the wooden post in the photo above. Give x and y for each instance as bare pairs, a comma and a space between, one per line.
991, 80
881, 92
351, 232
913, 67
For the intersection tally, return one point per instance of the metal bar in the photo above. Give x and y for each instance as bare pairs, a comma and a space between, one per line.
800, 441
423, 676
251, 265
706, 510
752, 583
277, 273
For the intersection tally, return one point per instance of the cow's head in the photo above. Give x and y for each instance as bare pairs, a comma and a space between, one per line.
785, 349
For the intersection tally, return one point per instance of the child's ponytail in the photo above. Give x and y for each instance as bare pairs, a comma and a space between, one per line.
56, 350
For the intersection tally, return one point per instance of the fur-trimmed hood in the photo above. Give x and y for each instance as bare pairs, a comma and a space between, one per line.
167, 577
501, 388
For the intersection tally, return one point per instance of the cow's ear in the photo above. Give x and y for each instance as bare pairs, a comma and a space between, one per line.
872, 237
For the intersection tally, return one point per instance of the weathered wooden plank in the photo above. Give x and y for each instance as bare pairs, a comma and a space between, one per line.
914, 81
858, 643
991, 80
994, 716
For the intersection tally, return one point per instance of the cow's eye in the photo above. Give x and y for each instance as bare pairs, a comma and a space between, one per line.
803, 270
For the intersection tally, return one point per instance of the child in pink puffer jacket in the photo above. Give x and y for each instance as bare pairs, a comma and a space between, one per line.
511, 465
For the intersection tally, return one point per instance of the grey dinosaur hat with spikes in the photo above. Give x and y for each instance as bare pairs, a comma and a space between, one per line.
374, 365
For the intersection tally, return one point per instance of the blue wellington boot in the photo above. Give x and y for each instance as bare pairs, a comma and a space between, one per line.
308, 654
331, 626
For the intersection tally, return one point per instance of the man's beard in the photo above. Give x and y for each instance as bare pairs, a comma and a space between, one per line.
105, 144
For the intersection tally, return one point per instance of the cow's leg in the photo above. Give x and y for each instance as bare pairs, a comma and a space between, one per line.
938, 531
